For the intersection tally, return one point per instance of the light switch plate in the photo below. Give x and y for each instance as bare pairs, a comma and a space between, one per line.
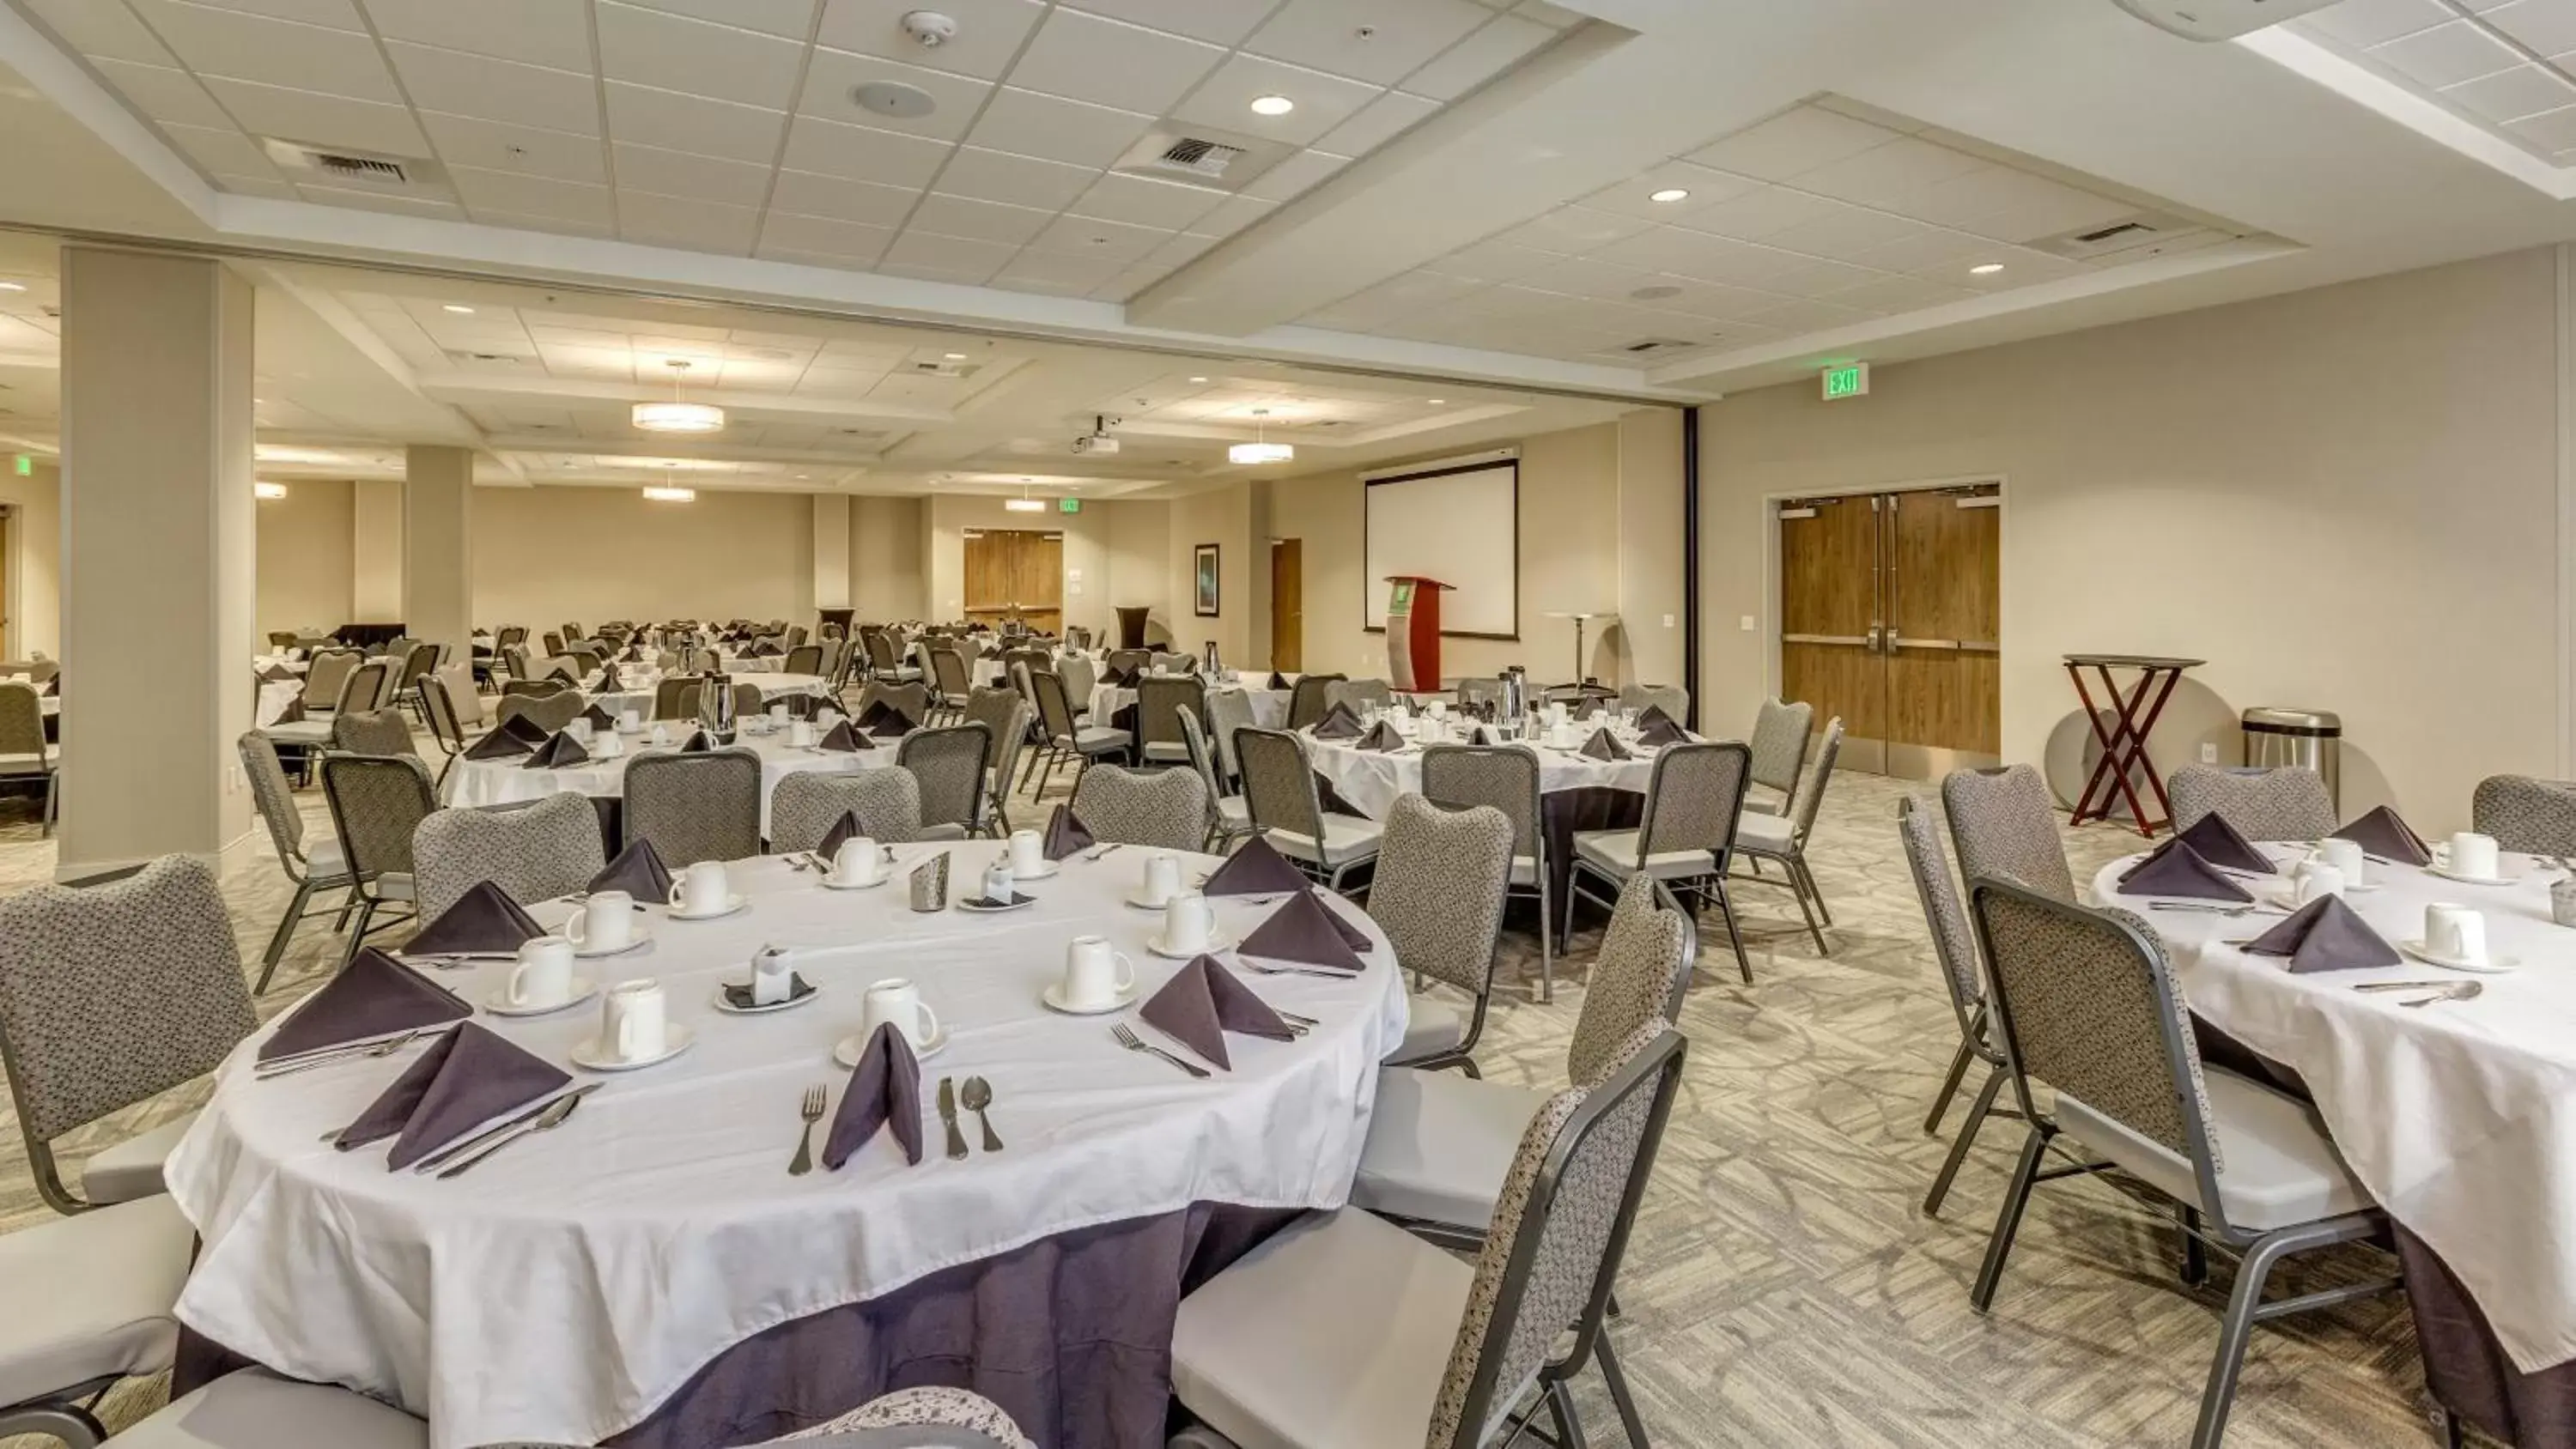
1745, 624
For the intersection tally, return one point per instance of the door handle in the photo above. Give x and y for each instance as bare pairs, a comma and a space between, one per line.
1877, 640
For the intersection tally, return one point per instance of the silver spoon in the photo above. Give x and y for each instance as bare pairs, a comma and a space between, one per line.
2456, 991
385, 1048
977, 1096
553, 1118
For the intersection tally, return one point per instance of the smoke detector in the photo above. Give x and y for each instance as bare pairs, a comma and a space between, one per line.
930, 28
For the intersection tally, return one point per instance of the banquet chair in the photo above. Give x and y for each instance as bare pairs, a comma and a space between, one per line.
1954, 946
1440, 1143
806, 805
1438, 895
882, 662
533, 851
448, 713
516, 659
950, 762
363, 688
324, 675
377, 801
1156, 809
1358, 695
1307, 699
554, 641
109, 996
586, 658
1783, 838
2086, 1002
704, 661
803, 659
1007, 716
2281, 803
418, 661
676, 697
749, 699
535, 688
1128, 661
1506, 778
697, 807
510, 634
2003, 827
372, 732
2535, 817
1159, 702
910, 696
950, 682
1228, 710
1280, 796
1229, 818
1694, 801
1672, 699
956, 1410
25, 754
1267, 1352
89, 1302
1065, 741
552, 711
568, 668
1080, 678
1779, 752
315, 866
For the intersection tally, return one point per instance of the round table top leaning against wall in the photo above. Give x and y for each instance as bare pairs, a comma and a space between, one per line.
2459, 1117
571, 1284
500, 782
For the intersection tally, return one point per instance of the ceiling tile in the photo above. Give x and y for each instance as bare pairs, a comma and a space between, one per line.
1930, 248
321, 120
1056, 273
1792, 143
2547, 26
859, 153
679, 221
2526, 90
675, 53
1365, 40
1294, 175
1815, 277
1897, 294
679, 173
1554, 17
1701, 300
2064, 211
835, 73
979, 220
1226, 22
1323, 101
989, 32
1233, 215
1585, 277
2552, 130
1758, 214
102, 30
537, 32
791, 18
1086, 58
518, 194
1841, 232
1493, 261
2446, 54
1377, 123
1890, 175
1634, 196
163, 93
497, 90
382, 201
1698, 255
947, 258
339, 14
1801, 315
1146, 202
229, 43
839, 199
2368, 22
225, 152
1574, 229
1050, 128
494, 146
1504, 42
1114, 240
1019, 180
847, 240
677, 122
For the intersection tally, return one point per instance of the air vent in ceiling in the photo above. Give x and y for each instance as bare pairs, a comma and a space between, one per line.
344, 166
942, 367
1651, 345
1200, 156
2145, 229
491, 362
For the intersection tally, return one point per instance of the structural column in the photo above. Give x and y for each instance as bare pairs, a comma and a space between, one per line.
376, 551
831, 551
438, 548
159, 565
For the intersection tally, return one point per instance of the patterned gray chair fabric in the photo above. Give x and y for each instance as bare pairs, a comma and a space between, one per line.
695, 807
676, 697
806, 805
2283, 803
803, 659
552, 711
1694, 800
1006, 716
1228, 710
950, 762
749, 699
1229, 819
325, 673
2086, 1002
1672, 699
546, 688
2536, 817
1309, 699
23, 749
1954, 946
376, 802
1357, 695
1080, 678
372, 732
366, 687
950, 677
1450, 1347
1068, 740
1779, 750
418, 661
1281, 800
440, 712
532, 852
1158, 809
109, 996
1505, 778
314, 866
1783, 838
883, 660
1438, 895
1159, 702
2004, 827
951, 1409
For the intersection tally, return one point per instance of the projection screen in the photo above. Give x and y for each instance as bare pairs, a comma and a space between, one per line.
1457, 523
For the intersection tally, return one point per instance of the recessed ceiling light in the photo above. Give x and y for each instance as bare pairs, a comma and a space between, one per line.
661, 494
1437, 402
955, 356
1272, 105
1198, 379
459, 308
1985, 269
1670, 193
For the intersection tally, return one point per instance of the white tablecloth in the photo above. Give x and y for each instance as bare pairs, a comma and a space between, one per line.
499, 782
1269, 706
2460, 1117
636, 691
1372, 780
562, 1290
279, 661
274, 696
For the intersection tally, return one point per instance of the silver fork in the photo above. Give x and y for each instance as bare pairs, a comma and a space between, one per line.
385, 1048
812, 1111
1326, 972
1134, 1043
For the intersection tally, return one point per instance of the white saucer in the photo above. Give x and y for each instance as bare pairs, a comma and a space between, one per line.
592, 1055
830, 884
588, 952
1120, 1002
735, 902
498, 1003
724, 1003
1141, 905
1047, 871
847, 1050
1217, 941
2492, 966
2446, 873
1017, 902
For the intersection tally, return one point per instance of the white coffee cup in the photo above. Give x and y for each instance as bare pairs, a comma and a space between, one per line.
702, 890
606, 922
543, 976
1028, 852
800, 734
1188, 921
607, 746
2345, 856
778, 714
2472, 854
1095, 973
1162, 879
2315, 878
898, 1001
2455, 933
631, 1025
630, 720
1437, 709
857, 862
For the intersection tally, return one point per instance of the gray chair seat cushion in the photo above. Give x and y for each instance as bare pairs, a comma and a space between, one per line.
1763, 834
1099, 739
323, 857
2279, 1169
255, 1409
1440, 1145
1168, 751
1431, 1026
300, 732
1234, 811
1346, 838
1614, 852
132, 1168
90, 1297
1334, 1334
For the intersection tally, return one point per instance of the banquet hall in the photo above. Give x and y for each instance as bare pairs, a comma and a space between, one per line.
1287, 724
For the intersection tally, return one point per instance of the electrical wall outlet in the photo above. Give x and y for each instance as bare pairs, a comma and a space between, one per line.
2208, 752
1745, 623
1668, 621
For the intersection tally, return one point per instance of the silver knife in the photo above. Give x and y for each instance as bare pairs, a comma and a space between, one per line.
948, 1114
454, 1150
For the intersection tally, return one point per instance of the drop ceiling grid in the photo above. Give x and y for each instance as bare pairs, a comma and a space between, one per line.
650, 121
2521, 88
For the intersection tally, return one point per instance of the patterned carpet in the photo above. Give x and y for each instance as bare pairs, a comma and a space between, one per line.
1784, 1288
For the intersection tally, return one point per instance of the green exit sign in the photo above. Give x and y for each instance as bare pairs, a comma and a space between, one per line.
1068, 505
1849, 379
26, 466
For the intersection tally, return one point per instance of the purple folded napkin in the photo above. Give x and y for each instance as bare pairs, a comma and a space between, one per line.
498, 744
562, 752
842, 738
1123, 678
2325, 935
2175, 869
1201, 1004
698, 743
638, 871
525, 730
292, 714
566, 675
2382, 832
274, 673
374, 995
1303, 930
1382, 738
1338, 723
842, 831
1651, 716
1066, 834
1258, 869
600, 719
1485, 734
881, 718
1661, 733
1275, 681
483, 922
1602, 747
468, 1078
765, 650
885, 1088
609, 683
2223, 846
1353, 936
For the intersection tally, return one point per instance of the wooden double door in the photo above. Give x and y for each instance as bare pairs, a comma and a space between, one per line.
1890, 617
1015, 575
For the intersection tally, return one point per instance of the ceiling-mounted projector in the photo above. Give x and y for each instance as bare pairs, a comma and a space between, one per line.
1099, 442
2217, 19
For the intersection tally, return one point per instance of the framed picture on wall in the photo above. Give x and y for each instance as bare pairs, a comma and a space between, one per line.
1203, 581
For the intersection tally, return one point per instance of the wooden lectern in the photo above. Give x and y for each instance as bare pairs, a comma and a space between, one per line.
1413, 632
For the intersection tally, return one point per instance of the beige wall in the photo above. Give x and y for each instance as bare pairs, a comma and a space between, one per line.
376, 550
543, 556
306, 574
886, 582
1221, 516
1140, 563
34, 597
2297, 490
1114, 553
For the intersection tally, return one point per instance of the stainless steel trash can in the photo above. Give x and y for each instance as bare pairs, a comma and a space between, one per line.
2309, 738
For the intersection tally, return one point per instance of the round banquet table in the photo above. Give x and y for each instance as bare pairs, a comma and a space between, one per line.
2459, 1117
1269, 706
598, 1275
636, 687
500, 782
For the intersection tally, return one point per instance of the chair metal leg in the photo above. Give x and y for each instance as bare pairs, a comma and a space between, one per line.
1808, 873
285, 930
1967, 1137
1949, 1088
1620, 1398
2008, 1218
2233, 1331
357, 938
1560, 1407
1716, 891
1546, 941
1798, 887
2195, 1254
